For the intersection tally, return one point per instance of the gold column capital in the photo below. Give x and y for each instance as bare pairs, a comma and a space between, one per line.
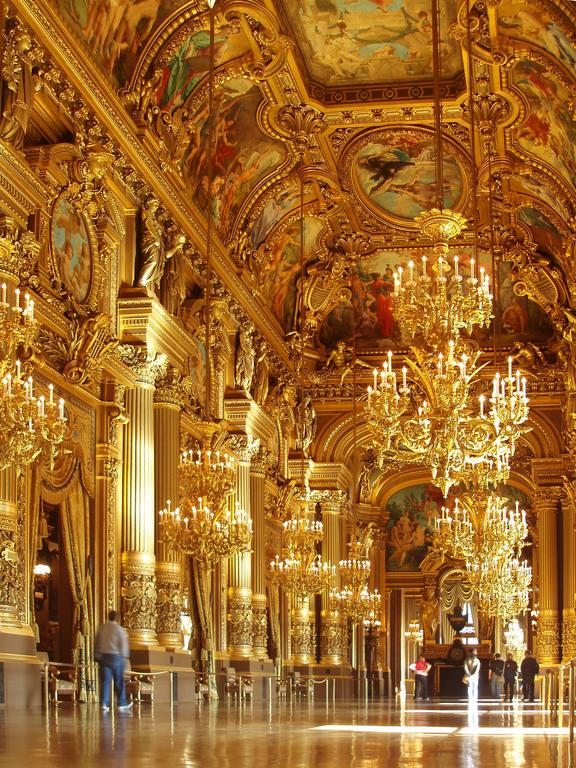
146, 364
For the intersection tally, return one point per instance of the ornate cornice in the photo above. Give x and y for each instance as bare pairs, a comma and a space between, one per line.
147, 365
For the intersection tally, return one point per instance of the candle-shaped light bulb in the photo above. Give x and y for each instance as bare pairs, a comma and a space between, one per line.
481, 406
456, 266
51, 390
61, 409
17, 294
411, 268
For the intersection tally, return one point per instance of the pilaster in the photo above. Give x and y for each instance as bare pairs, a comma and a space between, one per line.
546, 502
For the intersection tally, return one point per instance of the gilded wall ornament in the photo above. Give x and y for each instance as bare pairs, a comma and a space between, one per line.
138, 592
87, 346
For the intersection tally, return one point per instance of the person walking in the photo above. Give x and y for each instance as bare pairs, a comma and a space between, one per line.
472, 676
510, 674
421, 670
528, 669
496, 675
111, 652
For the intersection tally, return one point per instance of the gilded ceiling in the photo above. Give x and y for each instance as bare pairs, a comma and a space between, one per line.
343, 89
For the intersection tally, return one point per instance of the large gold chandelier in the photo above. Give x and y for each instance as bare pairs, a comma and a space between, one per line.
480, 528
355, 600
502, 586
302, 572
206, 473
32, 425
206, 536
442, 301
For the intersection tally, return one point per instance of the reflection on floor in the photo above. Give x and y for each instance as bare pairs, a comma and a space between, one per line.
228, 735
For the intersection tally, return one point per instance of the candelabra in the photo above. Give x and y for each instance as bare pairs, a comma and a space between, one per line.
32, 426
502, 586
480, 529
356, 603
445, 302
414, 633
437, 422
206, 473
206, 536
302, 572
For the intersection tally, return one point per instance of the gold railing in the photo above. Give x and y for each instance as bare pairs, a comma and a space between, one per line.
559, 694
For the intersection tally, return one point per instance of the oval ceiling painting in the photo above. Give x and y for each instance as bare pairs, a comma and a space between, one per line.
395, 173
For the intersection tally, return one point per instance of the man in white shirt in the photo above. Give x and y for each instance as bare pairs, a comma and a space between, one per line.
111, 652
472, 674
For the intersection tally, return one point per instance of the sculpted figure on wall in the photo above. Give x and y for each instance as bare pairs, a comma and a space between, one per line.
245, 357
153, 248
261, 381
306, 423
18, 89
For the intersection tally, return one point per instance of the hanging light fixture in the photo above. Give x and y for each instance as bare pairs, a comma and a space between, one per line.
302, 572
205, 525
32, 425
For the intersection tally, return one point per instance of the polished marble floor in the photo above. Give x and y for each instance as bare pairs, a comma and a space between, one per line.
228, 735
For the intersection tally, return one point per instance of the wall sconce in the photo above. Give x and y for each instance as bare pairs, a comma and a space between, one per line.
41, 576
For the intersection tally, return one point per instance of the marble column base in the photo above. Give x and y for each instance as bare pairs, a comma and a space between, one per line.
138, 591
333, 639
568, 634
259, 627
302, 637
239, 622
168, 604
548, 638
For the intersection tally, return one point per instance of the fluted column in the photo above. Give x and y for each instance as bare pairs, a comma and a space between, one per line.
333, 629
240, 568
257, 509
568, 572
138, 558
167, 399
301, 634
548, 632
11, 567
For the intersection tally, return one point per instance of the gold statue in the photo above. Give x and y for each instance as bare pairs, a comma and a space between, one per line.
340, 358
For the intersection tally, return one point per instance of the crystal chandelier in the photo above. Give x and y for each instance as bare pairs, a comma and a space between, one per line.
514, 639
502, 586
437, 422
302, 572
414, 633
205, 473
355, 600
206, 536
445, 302
32, 425
480, 528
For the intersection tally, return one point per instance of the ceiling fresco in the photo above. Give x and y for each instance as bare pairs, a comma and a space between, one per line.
344, 88
371, 41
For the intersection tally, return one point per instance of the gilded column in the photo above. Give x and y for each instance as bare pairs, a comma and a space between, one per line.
257, 510
240, 567
138, 582
167, 402
11, 565
548, 632
333, 629
301, 634
569, 572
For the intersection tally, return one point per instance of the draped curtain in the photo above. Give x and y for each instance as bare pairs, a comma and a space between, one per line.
202, 594
66, 489
454, 592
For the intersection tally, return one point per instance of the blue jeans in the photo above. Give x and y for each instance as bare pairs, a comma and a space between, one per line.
112, 668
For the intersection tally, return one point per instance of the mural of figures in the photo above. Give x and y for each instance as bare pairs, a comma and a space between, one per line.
549, 131
373, 297
371, 40
115, 30
410, 525
72, 249
191, 62
541, 191
274, 209
400, 177
280, 282
243, 154
535, 27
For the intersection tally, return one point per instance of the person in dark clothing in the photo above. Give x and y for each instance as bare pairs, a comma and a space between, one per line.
510, 674
496, 675
528, 669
